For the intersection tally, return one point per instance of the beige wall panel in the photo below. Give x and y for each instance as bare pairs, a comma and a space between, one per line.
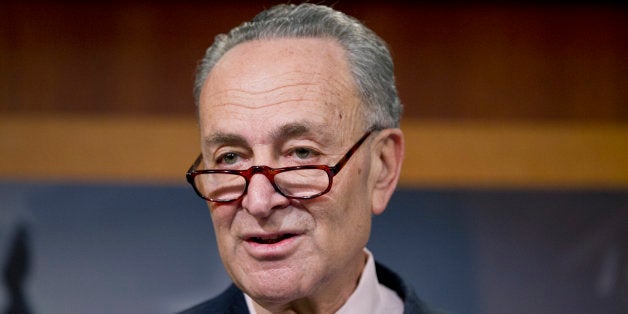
97, 148
438, 154
475, 154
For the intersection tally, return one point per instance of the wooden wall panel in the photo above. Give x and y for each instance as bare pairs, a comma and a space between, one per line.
509, 62
514, 62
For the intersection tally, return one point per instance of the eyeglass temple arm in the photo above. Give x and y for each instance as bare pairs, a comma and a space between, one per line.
335, 169
195, 164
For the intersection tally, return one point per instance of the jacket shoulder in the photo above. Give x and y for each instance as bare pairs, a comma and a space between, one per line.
411, 302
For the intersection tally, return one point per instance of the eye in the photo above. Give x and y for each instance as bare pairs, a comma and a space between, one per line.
303, 153
228, 158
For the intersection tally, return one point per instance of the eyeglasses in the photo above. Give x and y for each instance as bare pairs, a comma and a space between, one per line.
298, 182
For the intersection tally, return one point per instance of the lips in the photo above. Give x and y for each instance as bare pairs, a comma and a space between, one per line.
272, 246
270, 239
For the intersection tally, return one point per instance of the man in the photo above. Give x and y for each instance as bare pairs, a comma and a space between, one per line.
300, 146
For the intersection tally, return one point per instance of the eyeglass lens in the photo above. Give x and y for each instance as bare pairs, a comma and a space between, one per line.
297, 183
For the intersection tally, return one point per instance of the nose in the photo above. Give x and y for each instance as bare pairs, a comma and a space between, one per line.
261, 198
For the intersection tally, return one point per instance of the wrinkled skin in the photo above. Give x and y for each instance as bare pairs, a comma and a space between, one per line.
284, 102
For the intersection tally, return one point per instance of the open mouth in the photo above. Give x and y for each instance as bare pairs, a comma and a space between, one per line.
271, 239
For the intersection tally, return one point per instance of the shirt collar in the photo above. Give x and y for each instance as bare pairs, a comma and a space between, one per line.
369, 296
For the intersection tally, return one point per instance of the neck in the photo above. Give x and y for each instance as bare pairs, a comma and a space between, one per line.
329, 299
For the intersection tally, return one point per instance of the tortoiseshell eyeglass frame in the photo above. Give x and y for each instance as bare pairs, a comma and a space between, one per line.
270, 173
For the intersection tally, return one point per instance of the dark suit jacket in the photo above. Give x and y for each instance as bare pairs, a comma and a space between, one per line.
231, 301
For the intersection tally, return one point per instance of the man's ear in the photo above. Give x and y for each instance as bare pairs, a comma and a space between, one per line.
387, 159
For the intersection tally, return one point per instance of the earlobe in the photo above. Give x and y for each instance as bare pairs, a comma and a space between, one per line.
388, 157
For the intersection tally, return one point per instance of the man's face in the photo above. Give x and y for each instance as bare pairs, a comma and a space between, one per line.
286, 102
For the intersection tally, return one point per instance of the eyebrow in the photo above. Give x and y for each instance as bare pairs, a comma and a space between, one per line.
281, 134
291, 130
225, 139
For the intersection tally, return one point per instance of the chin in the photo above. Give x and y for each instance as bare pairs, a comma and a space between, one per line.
275, 287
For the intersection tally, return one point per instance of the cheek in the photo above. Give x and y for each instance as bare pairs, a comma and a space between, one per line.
342, 231
347, 214
222, 218
355, 197
353, 188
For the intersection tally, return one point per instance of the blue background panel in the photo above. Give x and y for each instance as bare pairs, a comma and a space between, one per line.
126, 248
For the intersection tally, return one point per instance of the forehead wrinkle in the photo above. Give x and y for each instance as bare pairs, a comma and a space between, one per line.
242, 90
253, 106
252, 100
315, 82
274, 89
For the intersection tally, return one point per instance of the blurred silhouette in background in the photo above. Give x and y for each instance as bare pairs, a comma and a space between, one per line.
15, 272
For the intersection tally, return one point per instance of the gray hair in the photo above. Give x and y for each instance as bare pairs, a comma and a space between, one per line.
368, 56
